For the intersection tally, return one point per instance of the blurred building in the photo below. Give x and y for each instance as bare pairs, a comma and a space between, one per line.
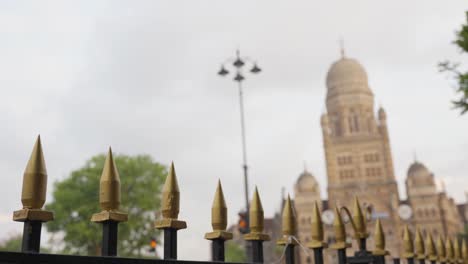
359, 163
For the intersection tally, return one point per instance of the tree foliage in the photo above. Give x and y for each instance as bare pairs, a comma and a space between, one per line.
461, 77
76, 198
13, 244
235, 253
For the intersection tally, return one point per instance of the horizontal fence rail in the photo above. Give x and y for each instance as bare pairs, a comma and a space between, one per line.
30, 258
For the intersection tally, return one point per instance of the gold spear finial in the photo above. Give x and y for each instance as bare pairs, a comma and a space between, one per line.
219, 216
170, 202
109, 193
359, 220
340, 231
419, 244
457, 251
430, 248
441, 249
219, 210
317, 229
289, 219
449, 250
170, 195
33, 194
407, 243
288, 226
379, 238
464, 251
256, 219
256, 214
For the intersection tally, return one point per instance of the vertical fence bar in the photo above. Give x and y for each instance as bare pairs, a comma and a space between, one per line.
288, 229
170, 203
109, 200
109, 238
379, 240
408, 246
219, 223
419, 247
289, 254
256, 235
441, 255
217, 250
33, 196
317, 244
431, 249
342, 256
340, 237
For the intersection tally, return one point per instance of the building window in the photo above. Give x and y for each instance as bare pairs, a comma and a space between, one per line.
346, 174
371, 157
343, 160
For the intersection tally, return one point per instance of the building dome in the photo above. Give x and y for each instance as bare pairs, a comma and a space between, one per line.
347, 75
418, 175
417, 168
306, 182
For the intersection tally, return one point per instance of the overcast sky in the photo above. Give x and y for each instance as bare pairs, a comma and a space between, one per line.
141, 76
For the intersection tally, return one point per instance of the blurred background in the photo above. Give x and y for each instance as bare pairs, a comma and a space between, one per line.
142, 77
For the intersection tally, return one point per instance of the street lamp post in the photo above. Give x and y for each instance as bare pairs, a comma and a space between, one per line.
238, 63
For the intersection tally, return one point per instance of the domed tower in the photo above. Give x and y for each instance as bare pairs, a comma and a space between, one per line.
357, 146
306, 192
433, 211
419, 181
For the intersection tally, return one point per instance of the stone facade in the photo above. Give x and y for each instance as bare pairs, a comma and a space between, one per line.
359, 163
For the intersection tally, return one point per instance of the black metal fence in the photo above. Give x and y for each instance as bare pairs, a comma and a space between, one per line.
34, 193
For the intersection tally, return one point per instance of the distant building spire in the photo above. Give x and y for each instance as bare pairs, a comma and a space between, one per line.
305, 166
415, 156
342, 50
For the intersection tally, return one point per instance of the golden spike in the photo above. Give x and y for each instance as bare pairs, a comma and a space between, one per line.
289, 219
170, 195
170, 202
288, 224
457, 251
317, 229
441, 249
407, 243
449, 251
419, 244
464, 251
33, 195
340, 231
359, 220
109, 193
256, 219
431, 253
256, 214
219, 216
219, 210
379, 238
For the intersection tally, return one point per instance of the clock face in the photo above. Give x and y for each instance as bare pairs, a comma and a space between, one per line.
328, 217
405, 211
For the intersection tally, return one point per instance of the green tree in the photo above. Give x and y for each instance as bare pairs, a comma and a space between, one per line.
460, 76
76, 198
13, 244
235, 252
